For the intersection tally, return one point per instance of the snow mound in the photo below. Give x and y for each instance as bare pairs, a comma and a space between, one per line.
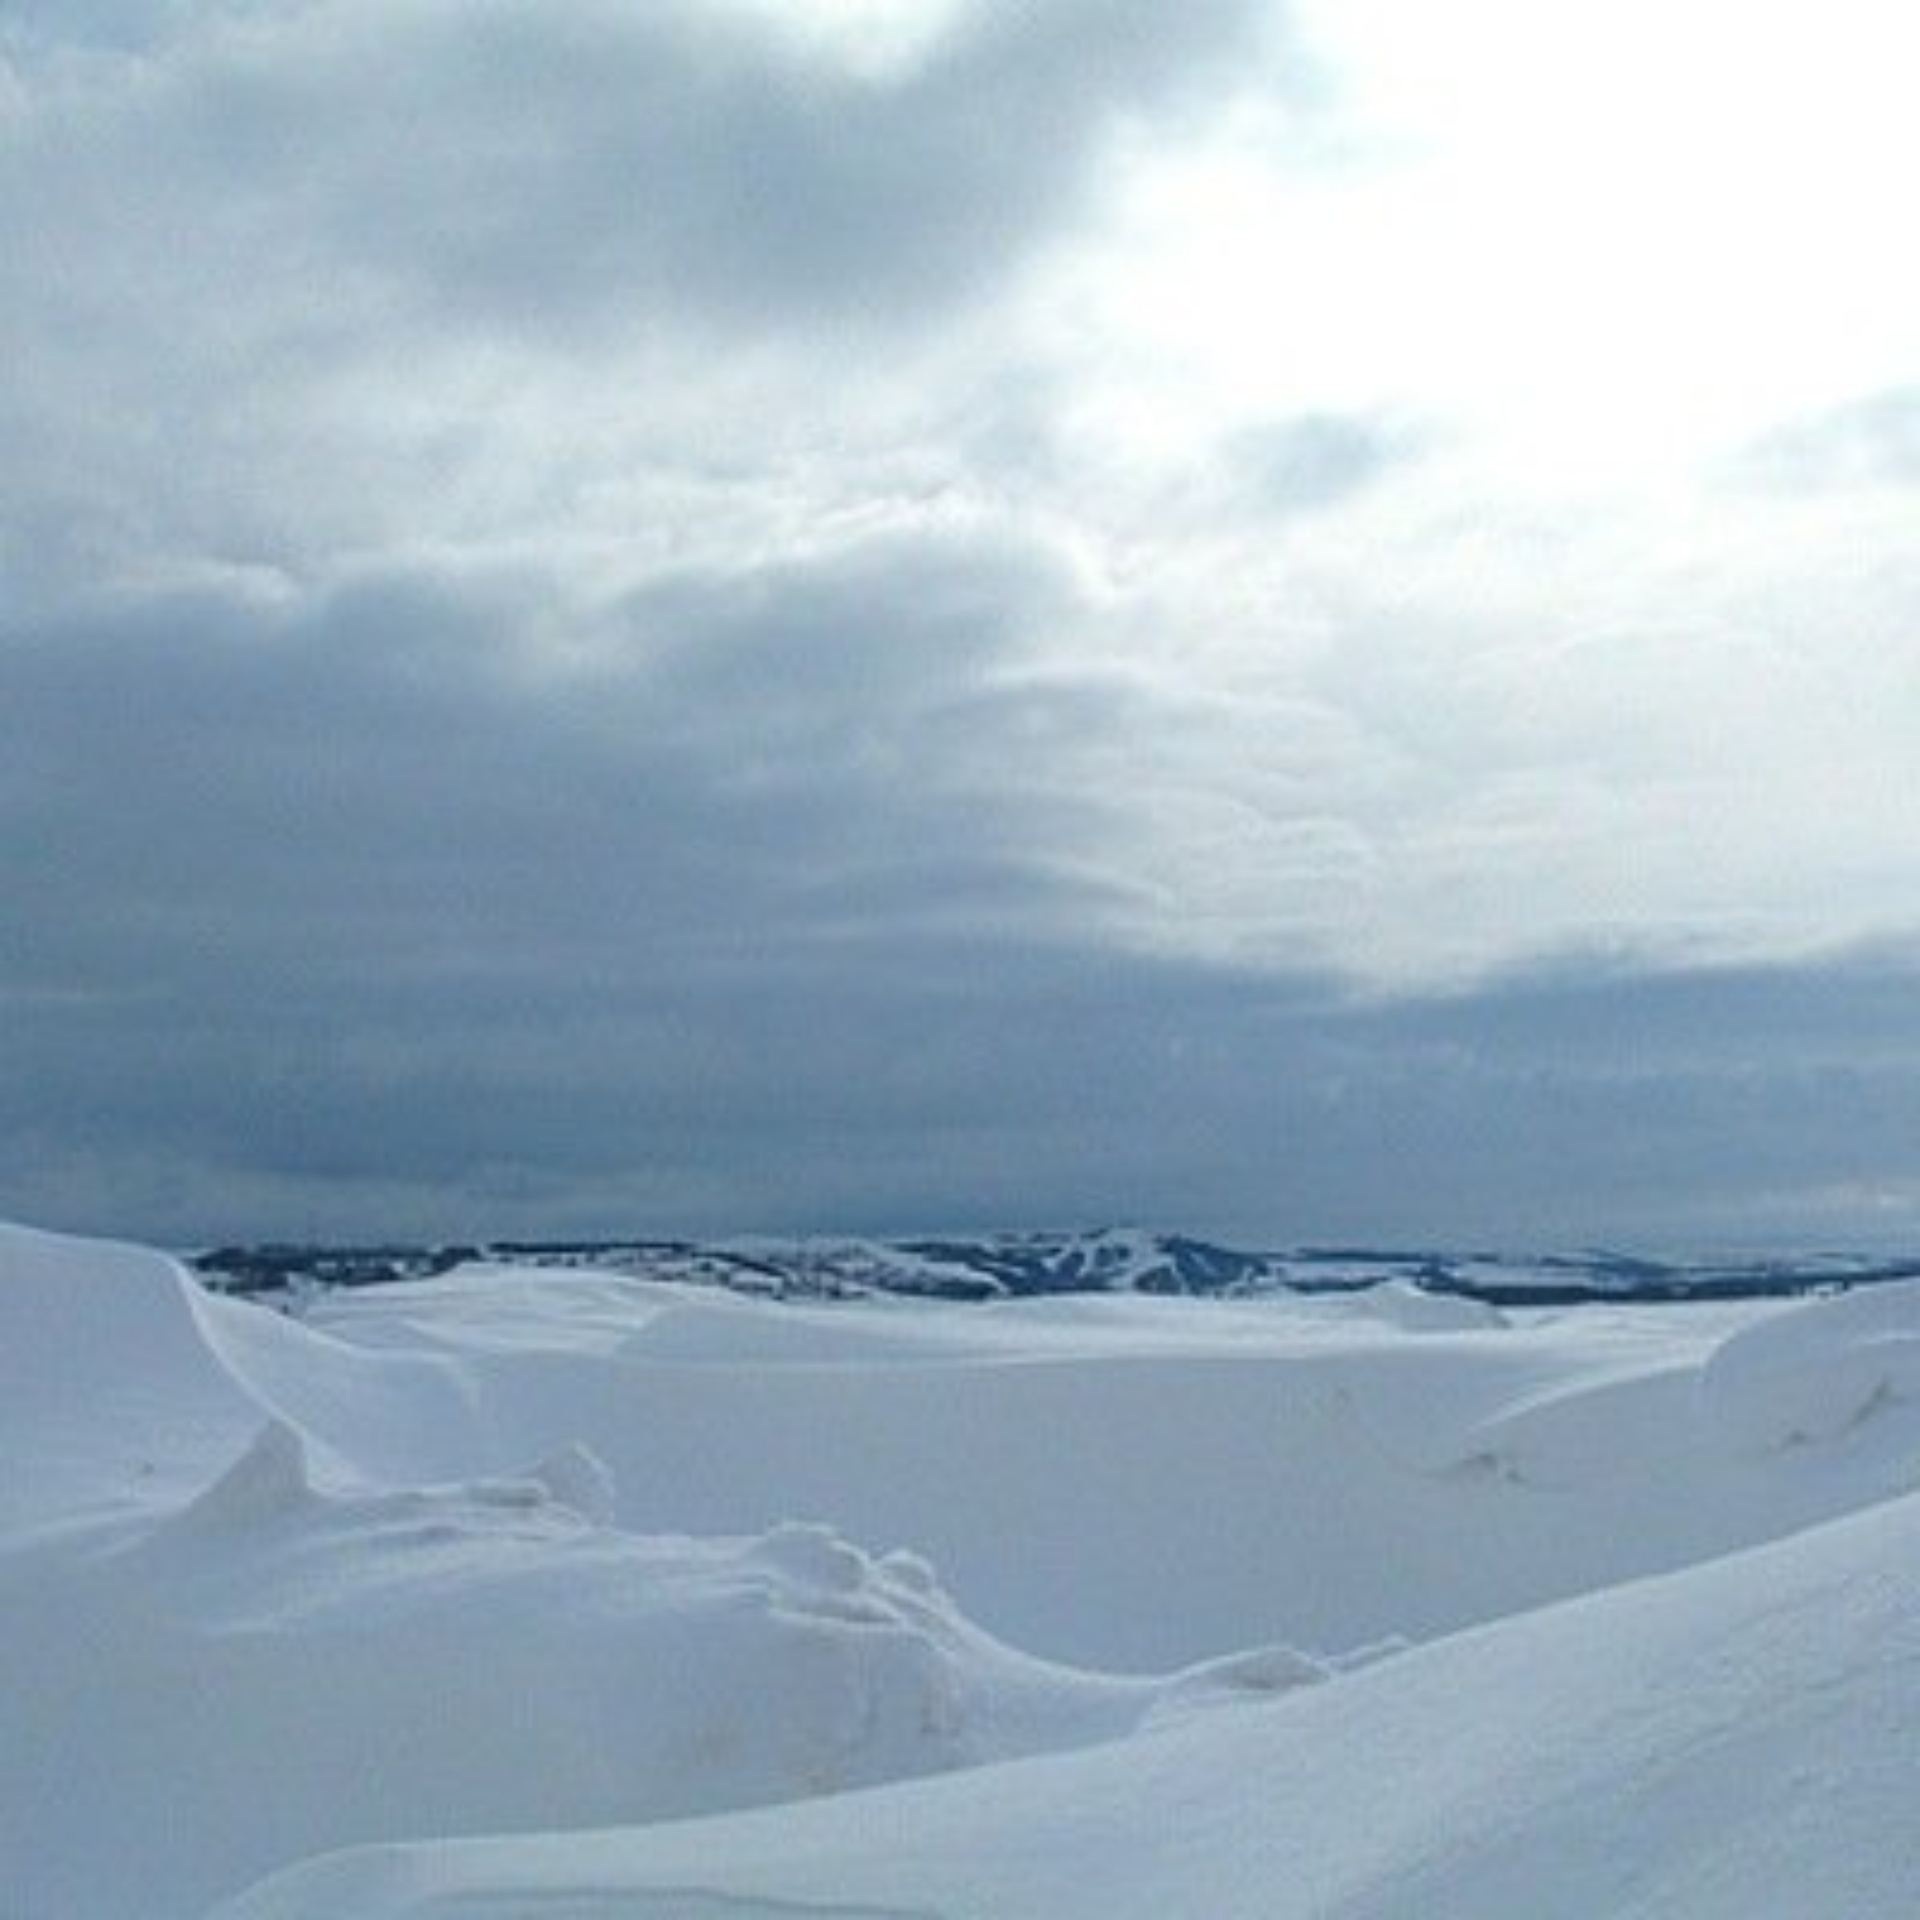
482, 1308
271, 1485
1238, 1679
1399, 1303
577, 1479
269, 1482
86, 1320
1818, 1373
111, 1395
1734, 1742
1612, 1428
126, 1385
722, 1329
277, 1667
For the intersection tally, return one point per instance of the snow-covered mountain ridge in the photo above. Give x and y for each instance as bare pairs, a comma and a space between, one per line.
1024, 1264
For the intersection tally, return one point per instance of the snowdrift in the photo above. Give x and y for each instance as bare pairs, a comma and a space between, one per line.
1137, 1484
273, 1667
1817, 1373
230, 1667
123, 1385
1731, 1743
504, 1552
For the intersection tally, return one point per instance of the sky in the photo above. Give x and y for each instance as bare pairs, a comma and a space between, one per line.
1293, 618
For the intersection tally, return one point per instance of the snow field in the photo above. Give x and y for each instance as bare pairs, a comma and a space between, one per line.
275, 1589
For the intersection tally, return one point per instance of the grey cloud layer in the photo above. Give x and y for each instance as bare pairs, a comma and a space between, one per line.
610, 161
332, 916
358, 891
347, 855
579, 646
208, 768
1872, 441
288, 279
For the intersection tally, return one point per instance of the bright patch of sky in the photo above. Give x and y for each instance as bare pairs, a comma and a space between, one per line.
1613, 239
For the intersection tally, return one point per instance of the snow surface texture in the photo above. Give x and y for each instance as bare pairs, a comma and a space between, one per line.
289, 1600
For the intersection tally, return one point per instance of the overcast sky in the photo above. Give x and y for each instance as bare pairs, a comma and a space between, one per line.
1295, 618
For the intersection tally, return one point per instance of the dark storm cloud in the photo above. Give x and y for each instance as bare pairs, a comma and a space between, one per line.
612, 161
795, 651
392, 761
1688, 1108
482, 1007
333, 915
349, 913
361, 882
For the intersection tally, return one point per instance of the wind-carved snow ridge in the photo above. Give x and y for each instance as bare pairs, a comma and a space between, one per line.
1416, 1310
1233, 1680
269, 1482
361, 1887
703, 1903
578, 1479
1817, 1373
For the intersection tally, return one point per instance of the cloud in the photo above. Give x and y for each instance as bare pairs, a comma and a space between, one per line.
354, 896
42, 24
307, 889
1315, 460
528, 168
346, 912
729, 1071
640, 606
398, 760
297, 282
1869, 442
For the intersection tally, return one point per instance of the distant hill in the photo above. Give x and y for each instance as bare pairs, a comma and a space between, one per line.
1012, 1265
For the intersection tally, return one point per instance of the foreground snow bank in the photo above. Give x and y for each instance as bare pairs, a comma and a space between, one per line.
125, 1386
1735, 1742
212, 1673
273, 1669
268, 1590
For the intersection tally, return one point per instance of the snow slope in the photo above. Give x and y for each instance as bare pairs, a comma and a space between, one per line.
1736, 1742
124, 1386
272, 1669
503, 1552
1232, 1472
